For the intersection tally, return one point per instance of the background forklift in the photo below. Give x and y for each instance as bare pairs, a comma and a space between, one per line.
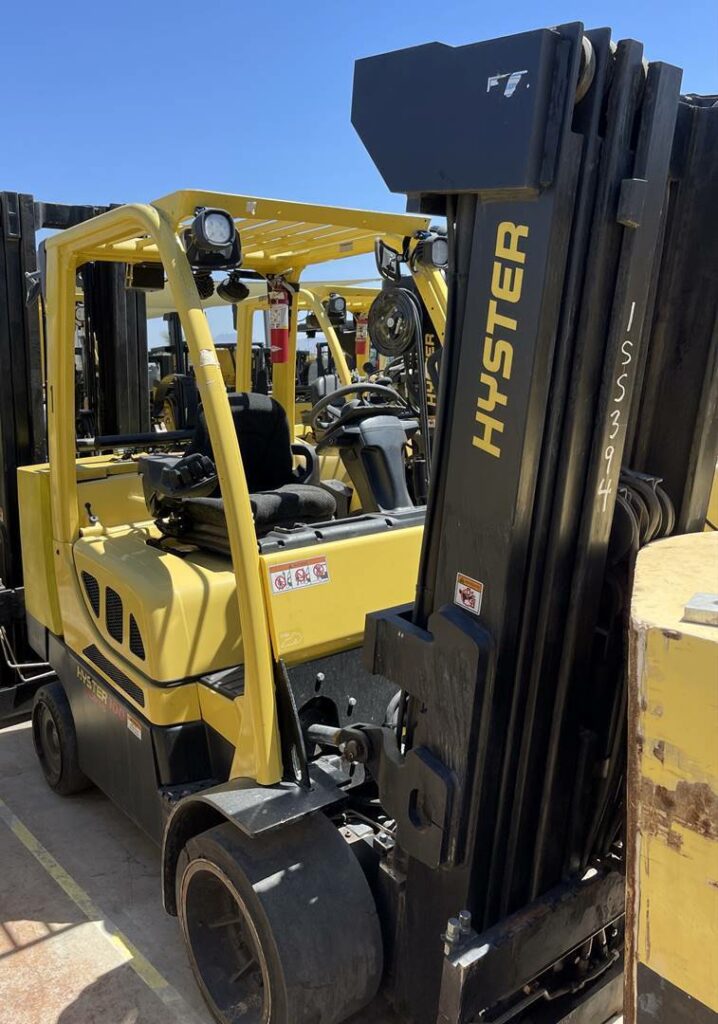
174, 399
111, 390
340, 311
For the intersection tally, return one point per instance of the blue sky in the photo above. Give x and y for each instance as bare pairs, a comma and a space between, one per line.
127, 101
118, 102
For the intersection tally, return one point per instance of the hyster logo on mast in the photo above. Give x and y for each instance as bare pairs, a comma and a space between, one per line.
506, 283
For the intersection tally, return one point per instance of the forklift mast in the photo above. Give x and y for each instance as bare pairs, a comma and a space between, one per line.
576, 421
116, 369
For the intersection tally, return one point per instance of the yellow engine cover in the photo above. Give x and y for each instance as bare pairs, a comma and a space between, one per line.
185, 609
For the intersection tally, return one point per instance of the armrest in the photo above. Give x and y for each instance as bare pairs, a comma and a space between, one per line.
309, 473
168, 477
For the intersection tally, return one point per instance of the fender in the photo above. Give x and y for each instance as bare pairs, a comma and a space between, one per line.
254, 809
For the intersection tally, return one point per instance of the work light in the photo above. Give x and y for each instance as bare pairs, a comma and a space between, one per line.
336, 306
433, 251
212, 230
212, 241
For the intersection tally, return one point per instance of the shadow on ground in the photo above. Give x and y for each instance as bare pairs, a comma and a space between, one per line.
56, 965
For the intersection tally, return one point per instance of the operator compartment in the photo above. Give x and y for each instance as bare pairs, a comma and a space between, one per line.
323, 568
153, 558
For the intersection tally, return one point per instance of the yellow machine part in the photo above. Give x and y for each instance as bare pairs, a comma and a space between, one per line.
363, 574
41, 597
225, 357
672, 899
185, 609
182, 611
110, 487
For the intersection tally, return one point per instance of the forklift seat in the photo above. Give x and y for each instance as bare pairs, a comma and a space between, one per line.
203, 521
279, 494
323, 385
263, 434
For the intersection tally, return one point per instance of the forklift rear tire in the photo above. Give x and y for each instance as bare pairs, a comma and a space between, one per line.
55, 739
279, 928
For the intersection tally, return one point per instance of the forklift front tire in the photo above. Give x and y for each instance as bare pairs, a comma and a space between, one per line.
55, 739
281, 927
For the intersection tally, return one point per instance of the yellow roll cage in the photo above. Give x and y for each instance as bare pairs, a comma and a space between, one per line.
277, 238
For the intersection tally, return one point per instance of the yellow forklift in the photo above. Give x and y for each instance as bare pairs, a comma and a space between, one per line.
339, 310
178, 591
355, 784
246, 362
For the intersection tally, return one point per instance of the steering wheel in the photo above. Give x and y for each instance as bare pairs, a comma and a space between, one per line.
335, 411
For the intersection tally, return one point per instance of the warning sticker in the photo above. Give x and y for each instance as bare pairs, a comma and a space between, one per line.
468, 593
278, 312
134, 726
297, 575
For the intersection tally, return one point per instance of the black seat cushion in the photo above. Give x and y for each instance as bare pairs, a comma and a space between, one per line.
293, 503
203, 521
263, 435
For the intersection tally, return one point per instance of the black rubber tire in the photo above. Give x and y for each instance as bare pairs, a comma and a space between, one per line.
301, 908
55, 739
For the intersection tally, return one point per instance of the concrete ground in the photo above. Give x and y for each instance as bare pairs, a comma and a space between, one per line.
83, 936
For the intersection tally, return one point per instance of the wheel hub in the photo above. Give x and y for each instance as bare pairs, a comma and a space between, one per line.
224, 945
50, 741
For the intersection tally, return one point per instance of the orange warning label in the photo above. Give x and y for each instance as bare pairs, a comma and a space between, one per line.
308, 572
468, 593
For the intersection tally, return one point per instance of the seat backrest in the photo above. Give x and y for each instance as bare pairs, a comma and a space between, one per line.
323, 385
263, 435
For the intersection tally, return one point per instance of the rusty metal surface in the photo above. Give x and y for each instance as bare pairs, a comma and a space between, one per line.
672, 880
667, 812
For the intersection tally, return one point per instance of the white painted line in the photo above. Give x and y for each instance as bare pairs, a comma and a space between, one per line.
139, 963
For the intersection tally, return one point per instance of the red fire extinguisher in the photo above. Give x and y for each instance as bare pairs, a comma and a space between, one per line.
362, 339
280, 298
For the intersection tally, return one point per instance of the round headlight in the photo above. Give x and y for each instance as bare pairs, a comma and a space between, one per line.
218, 228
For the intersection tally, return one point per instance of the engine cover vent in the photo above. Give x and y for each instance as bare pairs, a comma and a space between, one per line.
136, 645
92, 589
113, 614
